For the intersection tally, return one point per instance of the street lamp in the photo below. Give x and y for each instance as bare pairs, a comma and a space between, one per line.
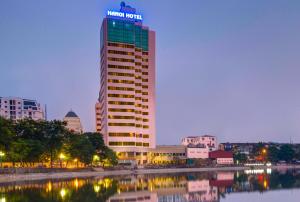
2, 154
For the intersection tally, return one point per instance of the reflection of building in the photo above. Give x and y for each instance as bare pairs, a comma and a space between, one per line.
206, 140
144, 196
200, 190
126, 109
73, 122
17, 108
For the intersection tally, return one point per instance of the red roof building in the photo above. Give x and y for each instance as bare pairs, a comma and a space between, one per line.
220, 154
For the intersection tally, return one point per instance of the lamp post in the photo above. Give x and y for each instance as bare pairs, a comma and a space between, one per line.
2, 154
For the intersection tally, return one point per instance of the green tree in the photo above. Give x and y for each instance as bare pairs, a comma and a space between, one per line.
286, 153
273, 154
7, 134
79, 146
54, 134
240, 157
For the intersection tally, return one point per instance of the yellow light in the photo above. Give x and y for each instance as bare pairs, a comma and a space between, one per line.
96, 158
62, 156
264, 151
2, 154
63, 192
76, 184
96, 188
75, 160
265, 184
3, 199
49, 187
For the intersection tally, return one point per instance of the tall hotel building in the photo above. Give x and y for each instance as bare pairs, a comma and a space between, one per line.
125, 112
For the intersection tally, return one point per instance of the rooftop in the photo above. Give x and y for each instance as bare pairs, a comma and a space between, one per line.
71, 114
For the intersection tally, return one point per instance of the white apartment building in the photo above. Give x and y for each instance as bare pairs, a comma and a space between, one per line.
15, 108
208, 140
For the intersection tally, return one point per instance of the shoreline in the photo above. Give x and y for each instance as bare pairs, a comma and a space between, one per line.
10, 178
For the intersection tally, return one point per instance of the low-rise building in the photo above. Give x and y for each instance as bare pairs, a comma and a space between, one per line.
209, 141
167, 154
222, 157
15, 108
199, 151
73, 122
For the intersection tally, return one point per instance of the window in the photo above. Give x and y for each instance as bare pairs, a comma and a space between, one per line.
120, 103
120, 52
120, 88
121, 134
120, 81
122, 124
120, 117
120, 74
120, 59
120, 67
121, 95
120, 110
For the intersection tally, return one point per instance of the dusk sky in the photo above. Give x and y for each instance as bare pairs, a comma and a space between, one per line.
226, 68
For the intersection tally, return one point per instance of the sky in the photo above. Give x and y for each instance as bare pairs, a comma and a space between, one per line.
226, 68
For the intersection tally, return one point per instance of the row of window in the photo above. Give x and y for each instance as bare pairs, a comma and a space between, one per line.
120, 110
120, 74
120, 103
120, 59
120, 67
128, 135
128, 117
120, 88
127, 110
121, 95
120, 81
120, 45
140, 144
120, 52
129, 125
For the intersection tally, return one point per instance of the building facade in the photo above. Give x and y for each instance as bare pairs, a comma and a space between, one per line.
199, 151
15, 108
73, 122
208, 141
125, 111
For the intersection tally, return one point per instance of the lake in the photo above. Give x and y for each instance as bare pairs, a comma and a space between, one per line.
249, 185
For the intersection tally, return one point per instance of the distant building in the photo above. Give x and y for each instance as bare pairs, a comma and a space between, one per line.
199, 151
222, 157
15, 108
209, 141
167, 154
73, 122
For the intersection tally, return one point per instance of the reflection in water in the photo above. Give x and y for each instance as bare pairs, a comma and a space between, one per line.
191, 187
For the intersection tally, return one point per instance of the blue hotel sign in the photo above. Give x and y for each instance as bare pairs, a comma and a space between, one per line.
131, 16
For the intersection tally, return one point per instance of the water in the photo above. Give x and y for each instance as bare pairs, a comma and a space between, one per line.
248, 186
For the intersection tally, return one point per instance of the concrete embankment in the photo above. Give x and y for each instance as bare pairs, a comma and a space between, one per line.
7, 178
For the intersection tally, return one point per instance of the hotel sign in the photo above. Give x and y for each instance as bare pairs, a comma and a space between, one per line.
131, 16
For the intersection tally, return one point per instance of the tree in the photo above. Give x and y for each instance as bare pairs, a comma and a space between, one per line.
286, 153
80, 147
240, 157
273, 154
54, 135
97, 141
7, 134
108, 157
